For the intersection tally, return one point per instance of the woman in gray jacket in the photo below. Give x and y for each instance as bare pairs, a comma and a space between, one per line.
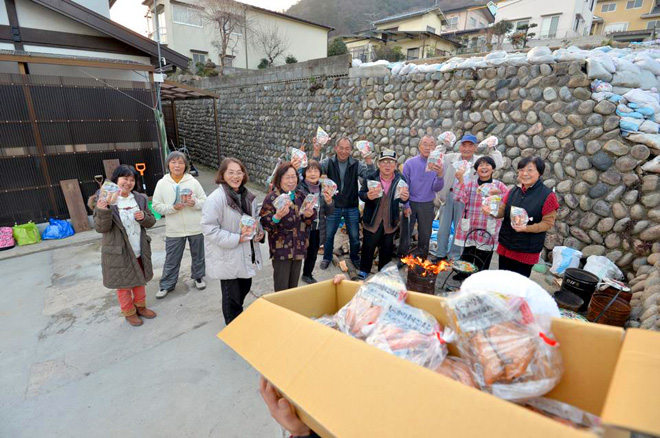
232, 255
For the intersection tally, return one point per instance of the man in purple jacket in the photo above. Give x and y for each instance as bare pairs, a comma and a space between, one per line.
423, 187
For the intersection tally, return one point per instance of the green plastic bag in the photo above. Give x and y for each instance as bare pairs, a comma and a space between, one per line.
154, 212
26, 234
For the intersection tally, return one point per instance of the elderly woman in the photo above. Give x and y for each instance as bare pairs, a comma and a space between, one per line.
232, 252
179, 197
288, 227
311, 185
472, 194
521, 244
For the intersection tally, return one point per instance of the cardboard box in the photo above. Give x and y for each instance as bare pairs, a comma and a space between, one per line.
343, 387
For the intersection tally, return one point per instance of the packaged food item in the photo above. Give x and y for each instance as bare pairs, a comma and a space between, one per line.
375, 184
109, 192
311, 200
327, 320
185, 195
409, 333
489, 142
281, 201
519, 216
248, 223
358, 317
401, 184
511, 352
446, 139
462, 166
565, 413
297, 153
365, 147
457, 369
484, 189
493, 203
328, 185
436, 156
322, 137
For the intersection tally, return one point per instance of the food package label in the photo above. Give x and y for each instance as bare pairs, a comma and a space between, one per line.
311, 201
375, 184
109, 192
297, 153
436, 157
399, 187
365, 147
281, 201
248, 223
447, 139
322, 137
519, 216
328, 185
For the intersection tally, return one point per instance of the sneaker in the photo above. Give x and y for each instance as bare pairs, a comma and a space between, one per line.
162, 293
325, 264
308, 279
362, 275
199, 284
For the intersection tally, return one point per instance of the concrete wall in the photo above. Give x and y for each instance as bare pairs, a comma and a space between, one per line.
622, 15
609, 206
37, 17
415, 23
536, 11
4, 20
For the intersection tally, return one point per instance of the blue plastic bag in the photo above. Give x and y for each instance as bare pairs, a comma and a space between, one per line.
57, 229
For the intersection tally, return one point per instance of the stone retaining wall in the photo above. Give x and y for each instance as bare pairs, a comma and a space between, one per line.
608, 205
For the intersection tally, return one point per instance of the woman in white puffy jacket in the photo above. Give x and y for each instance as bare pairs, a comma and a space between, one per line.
232, 252
180, 197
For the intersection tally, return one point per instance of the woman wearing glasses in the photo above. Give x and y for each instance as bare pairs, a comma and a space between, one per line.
288, 227
521, 243
232, 250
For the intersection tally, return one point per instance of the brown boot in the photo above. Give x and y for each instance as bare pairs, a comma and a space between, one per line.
146, 313
134, 320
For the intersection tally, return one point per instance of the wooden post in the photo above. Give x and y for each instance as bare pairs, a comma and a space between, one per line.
41, 152
75, 204
217, 128
109, 167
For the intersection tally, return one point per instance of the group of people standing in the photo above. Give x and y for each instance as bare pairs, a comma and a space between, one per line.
223, 247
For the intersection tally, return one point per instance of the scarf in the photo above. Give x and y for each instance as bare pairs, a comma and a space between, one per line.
239, 198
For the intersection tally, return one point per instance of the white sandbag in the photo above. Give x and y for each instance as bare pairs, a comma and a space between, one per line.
602, 267
517, 61
563, 55
605, 60
547, 59
470, 63
497, 62
497, 54
396, 69
405, 69
647, 80
596, 70
539, 51
649, 127
648, 64
510, 283
382, 62
623, 64
652, 166
644, 98
620, 90
626, 78
355, 63
563, 258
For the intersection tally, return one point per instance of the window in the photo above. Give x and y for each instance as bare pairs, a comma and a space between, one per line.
653, 24
413, 53
186, 15
549, 26
430, 29
616, 27
473, 23
452, 22
199, 57
608, 7
634, 4
519, 25
577, 24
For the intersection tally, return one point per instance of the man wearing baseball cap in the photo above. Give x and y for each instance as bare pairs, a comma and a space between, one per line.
380, 219
458, 165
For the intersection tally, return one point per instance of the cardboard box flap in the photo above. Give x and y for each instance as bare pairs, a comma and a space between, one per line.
336, 379
633, 401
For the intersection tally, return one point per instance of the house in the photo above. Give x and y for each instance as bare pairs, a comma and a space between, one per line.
183, 28
556, 19
76, 89
627, 20
468, 22
417, 33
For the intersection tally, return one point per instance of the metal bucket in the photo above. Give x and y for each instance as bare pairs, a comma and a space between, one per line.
418, 282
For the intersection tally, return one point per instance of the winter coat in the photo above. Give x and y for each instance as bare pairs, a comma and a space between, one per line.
371, 206
120, 267
226, 257
288, 239
450, 171
184, 222
322, 211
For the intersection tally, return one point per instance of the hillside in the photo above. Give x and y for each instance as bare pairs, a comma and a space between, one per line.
349, 16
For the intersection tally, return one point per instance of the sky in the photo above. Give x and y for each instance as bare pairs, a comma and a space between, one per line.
130, 13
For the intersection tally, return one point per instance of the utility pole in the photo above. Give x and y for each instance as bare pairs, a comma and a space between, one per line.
160, 58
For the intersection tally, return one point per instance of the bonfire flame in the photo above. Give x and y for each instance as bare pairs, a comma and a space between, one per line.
426, 265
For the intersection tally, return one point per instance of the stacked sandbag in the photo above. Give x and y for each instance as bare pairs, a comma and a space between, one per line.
646, 293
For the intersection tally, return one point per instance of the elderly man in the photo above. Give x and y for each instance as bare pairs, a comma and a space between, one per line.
423, 188
453, 209
345, 172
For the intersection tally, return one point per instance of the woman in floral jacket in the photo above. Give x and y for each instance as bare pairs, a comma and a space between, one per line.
287, 226
478, 249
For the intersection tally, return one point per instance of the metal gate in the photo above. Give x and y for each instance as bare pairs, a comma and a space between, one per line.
54, 128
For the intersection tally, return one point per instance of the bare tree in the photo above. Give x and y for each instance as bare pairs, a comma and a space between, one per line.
271, 41
229, 21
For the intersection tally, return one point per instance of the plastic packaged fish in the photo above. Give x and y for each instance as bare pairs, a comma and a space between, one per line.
109, 192
322, 137
365, 147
